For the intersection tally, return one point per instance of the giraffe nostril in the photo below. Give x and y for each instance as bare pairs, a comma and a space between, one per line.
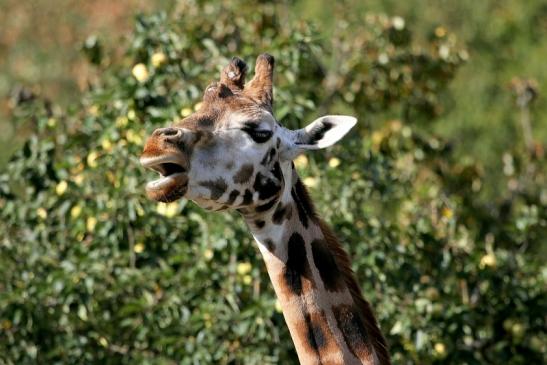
170, 134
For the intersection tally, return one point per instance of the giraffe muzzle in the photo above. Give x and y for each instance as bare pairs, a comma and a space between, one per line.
173, 180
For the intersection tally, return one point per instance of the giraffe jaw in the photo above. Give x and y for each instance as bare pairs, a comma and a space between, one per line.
173, 181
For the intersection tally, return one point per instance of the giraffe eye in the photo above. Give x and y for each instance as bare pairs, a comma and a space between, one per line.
259, 136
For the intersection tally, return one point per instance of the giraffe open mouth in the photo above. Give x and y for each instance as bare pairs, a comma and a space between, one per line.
173, 178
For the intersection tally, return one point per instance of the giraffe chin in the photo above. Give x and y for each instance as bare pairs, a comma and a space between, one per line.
168, 188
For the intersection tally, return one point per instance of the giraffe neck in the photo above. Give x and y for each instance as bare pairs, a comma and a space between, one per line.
329, 321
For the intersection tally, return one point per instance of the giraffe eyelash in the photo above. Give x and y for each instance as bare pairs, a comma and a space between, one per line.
258, 135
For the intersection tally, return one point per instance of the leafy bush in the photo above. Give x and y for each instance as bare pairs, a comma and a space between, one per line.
92, 272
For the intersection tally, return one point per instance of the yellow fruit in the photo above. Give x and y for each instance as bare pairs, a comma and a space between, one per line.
121, 122
168, 209
488, 260
243, 268
440, 348
139, 247
93, 110
301, 161
518, 330
90, 223
92, 159
140, 72
398, 22
106, 145
247, 279
334, 162
447, 213
208, 254
311, 182
75, 211
42, 213
377, 138
133, 137
158, 59
78, 179
184, 112
61, 187
440, 32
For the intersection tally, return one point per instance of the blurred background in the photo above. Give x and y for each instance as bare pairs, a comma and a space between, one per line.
439, 195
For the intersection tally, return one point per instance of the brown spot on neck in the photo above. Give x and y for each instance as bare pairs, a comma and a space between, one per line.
327, 266
244, 174
297, 267
282, 212
306, 210
232, 197
353, 329
360, 306
217, 187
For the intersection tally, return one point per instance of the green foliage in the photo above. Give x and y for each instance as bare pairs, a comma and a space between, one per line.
92, 272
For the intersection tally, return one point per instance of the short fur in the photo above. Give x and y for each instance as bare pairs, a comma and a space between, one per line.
222, 158
344, 265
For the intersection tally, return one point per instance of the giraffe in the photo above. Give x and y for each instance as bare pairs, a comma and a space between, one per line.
232, 154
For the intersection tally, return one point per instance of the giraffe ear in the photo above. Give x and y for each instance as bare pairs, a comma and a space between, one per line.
321, 133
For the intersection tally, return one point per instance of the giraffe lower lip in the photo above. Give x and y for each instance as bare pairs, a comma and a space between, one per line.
168, 188
166, 182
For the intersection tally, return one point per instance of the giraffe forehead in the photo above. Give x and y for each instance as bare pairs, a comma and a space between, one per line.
228, 118
261, 118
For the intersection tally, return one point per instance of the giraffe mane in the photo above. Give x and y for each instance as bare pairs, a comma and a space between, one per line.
344, 265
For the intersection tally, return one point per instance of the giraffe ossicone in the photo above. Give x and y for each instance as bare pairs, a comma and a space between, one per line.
233, 154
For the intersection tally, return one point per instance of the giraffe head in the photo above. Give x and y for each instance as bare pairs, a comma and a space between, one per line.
231, 153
